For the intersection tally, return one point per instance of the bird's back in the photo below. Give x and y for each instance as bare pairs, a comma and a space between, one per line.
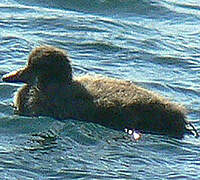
116, 104
121, 104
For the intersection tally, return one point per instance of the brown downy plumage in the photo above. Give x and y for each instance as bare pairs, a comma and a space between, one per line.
51, 90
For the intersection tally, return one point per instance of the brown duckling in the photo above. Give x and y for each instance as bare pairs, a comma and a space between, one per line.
51, 90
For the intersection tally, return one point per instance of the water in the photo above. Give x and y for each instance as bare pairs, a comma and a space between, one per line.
153, 43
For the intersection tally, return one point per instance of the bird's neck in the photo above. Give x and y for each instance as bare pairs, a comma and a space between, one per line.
52, 86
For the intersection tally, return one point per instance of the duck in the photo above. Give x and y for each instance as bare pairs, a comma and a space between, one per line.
50, 89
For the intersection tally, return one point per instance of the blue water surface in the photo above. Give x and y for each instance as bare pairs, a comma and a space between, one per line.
153, 43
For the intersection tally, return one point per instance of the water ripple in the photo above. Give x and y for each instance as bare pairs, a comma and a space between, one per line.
153, 43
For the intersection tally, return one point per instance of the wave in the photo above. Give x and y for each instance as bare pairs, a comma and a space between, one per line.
101, 6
